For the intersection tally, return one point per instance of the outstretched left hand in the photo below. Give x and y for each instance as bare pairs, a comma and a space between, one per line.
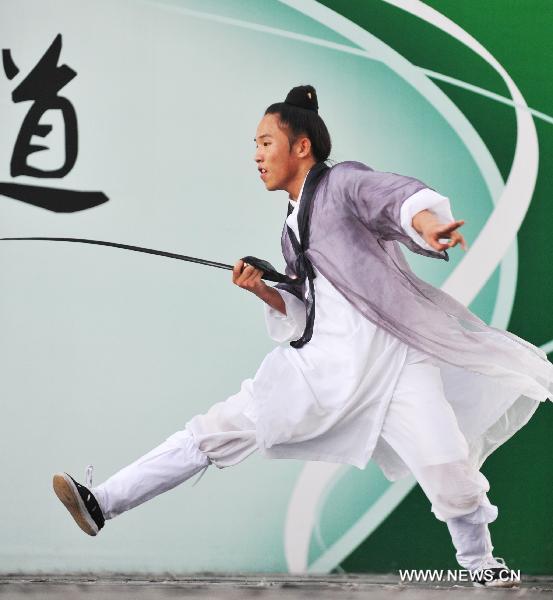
436, 231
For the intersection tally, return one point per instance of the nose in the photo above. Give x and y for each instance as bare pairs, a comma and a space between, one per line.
258, 156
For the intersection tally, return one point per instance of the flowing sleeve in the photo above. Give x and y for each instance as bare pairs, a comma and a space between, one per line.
425, 199
284, 328
376, 198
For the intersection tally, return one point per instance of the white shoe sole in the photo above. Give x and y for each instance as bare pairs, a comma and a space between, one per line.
498, 584
68, 493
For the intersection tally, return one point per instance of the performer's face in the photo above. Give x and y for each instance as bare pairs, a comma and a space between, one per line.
279, 164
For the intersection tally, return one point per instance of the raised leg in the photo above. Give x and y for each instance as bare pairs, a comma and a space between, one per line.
223, 436
163, 468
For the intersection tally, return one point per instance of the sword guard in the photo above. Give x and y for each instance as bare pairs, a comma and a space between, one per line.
269, 272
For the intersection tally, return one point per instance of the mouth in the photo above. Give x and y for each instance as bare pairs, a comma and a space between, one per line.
262, 172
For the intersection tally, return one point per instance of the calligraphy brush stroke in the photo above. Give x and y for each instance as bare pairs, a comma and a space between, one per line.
56, 200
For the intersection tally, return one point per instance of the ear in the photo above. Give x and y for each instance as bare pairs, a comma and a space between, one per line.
303, 147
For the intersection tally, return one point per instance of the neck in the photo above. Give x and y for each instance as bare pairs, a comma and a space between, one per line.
295, 185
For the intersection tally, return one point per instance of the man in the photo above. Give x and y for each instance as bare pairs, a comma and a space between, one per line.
380, 364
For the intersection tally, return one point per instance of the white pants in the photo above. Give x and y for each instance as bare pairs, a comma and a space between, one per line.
456, 490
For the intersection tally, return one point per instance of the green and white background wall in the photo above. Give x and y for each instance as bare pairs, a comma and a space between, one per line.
104, 353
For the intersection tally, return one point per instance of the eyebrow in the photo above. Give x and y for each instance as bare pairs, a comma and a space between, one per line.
262, 136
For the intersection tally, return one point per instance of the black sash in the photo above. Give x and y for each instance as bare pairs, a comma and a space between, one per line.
303, 266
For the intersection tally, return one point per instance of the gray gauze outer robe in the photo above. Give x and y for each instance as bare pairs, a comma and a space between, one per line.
493, 379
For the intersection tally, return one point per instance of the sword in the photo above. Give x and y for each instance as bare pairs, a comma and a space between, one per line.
269, 272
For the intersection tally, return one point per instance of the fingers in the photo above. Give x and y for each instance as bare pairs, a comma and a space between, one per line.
251, 275
246, 276
449, 231
456, 238
250, 278
450, 226
237, 270
253, 282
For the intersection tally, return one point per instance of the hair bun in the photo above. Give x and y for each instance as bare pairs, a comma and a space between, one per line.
303, 96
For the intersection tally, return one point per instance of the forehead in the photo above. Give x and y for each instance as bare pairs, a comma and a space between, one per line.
268, 127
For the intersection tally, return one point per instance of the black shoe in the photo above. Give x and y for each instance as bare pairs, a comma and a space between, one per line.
80, 502
494, 573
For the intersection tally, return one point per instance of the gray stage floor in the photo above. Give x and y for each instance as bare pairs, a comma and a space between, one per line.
262, 587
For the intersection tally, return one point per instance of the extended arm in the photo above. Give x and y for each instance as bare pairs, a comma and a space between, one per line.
426, 217
387, 202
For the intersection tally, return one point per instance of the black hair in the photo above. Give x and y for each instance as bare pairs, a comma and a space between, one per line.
299, 114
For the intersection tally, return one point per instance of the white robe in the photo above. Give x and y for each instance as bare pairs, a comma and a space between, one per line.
328, 400
341, 382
